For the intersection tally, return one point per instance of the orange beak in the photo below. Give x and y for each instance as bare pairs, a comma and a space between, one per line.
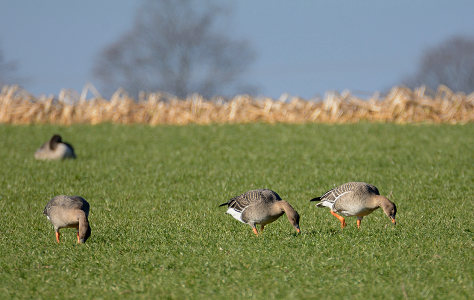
393, 221
298, 230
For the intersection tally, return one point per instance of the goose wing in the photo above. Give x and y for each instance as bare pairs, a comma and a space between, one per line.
332, 195
239, 203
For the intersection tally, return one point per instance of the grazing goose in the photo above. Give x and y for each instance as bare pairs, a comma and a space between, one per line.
69, 211
261, 207
355, 199
55, 148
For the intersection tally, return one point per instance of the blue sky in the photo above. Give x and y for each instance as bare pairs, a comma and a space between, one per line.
304, 48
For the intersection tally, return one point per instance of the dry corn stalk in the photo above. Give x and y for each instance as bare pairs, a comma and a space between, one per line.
400, 105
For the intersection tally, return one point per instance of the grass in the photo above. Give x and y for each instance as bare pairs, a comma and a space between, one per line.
157, 230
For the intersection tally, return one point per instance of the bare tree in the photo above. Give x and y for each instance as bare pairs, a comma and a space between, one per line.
176, 46
450, 63
8, 71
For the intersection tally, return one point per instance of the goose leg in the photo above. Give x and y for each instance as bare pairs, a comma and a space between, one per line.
340, 218
78, 240
254, 229
57, 236
359, 220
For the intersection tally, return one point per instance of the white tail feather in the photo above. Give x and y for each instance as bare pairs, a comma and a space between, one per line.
237, 215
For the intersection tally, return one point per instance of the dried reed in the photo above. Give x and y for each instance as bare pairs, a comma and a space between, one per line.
400, 105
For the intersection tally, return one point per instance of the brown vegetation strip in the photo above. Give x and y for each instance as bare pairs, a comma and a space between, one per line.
400, 105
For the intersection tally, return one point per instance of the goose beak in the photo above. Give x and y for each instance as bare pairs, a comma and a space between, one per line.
298, 230
393, 221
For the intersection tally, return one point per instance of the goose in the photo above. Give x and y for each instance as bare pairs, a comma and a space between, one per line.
55, 149
262, 207
69, 211
355, 199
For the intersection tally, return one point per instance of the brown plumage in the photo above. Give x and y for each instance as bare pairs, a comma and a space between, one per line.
55, 149
356, 199
69, 211
261, 207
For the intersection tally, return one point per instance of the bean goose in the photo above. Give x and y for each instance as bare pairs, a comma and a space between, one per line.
55, 149
69, 211
261, 207
355, 199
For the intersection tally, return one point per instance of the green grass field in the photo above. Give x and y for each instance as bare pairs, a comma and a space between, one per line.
157, 230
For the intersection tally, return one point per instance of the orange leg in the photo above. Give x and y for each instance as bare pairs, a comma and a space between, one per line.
78, 240
358, 223
255, 230
340, 218
57, 236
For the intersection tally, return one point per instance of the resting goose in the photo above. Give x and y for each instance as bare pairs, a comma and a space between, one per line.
55, 149
261, 207
356, 199
69, 211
